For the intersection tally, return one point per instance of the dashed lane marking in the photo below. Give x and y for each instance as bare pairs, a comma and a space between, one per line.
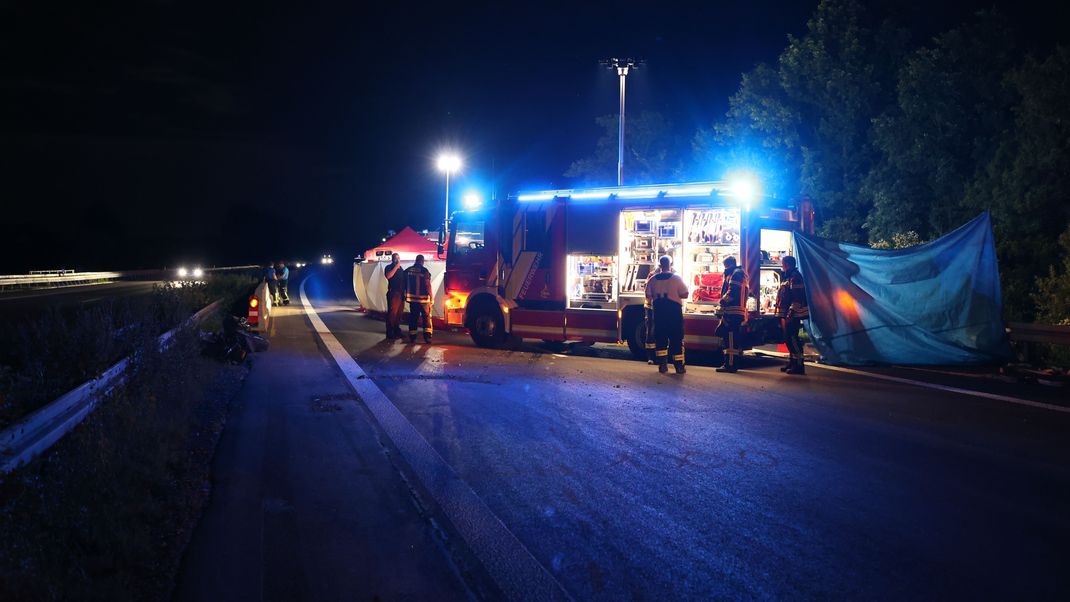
519, 575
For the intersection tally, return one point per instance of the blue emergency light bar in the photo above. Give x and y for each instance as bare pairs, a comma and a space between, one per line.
691, 189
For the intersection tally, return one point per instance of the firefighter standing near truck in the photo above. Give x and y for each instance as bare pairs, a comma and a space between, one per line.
418, 294
792, 310
667, 292
648, 308
733, 311
395, 296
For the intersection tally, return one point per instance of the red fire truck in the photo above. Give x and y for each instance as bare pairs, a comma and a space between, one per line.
571, 265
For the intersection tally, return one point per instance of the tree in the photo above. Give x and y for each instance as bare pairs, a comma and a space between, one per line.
651, 152
1052, 295
952, 107
1026, 184
814, 110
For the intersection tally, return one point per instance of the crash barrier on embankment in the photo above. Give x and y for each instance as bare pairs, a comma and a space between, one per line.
1029, 334
56, 278
35, 433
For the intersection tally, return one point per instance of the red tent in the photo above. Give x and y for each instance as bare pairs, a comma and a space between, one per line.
408, 243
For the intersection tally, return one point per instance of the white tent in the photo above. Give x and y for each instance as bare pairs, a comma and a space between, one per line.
369, 284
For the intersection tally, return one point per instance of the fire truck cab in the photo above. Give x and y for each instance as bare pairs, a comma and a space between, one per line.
572, 265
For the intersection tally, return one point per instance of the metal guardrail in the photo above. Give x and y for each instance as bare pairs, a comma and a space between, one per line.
1054, 334
35, 433
57, 279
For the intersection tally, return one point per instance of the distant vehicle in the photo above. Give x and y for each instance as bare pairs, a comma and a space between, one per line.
185, 273
326, 259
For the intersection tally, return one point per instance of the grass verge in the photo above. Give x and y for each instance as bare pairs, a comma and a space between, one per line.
57, 350
106, 512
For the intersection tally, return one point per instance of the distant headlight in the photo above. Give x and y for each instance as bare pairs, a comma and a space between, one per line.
183, 272
198, 273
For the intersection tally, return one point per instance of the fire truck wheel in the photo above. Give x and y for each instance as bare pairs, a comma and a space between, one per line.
487, 326
635, 333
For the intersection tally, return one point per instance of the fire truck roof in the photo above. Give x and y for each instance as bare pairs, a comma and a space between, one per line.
742, 190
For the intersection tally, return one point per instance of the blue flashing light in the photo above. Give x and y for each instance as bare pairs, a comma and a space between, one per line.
703, 190
696, 189
472, 201
638, 193
538, 196
594, 194
743, 187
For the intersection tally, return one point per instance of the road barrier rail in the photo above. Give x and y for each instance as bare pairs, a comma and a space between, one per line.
57, 278
1053, 334
34, 434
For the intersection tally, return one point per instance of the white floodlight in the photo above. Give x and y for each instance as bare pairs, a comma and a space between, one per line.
448, 162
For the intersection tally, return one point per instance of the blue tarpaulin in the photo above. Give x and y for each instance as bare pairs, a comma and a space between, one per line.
934, 304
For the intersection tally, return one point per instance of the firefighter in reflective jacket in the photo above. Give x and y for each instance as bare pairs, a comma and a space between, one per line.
666, 293
733, 311
792, 310
418, 294
649, 345
648, 324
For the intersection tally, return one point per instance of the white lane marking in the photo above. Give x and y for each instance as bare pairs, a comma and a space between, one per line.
519, 575
918, 383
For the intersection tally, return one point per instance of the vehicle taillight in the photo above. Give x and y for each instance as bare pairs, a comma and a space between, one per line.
253, 302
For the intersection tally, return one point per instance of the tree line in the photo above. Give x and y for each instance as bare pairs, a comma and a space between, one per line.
896, 142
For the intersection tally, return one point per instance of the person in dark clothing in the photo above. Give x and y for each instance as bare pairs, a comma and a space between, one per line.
667, 294
792, 310
395, 296
418, 294
283, 273
733, 312
272, 281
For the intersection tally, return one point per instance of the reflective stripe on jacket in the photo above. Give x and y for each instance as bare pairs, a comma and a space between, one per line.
791, 297
733, 292
417, 285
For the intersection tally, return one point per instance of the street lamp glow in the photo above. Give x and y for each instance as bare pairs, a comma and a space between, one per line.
449, 162
472, 200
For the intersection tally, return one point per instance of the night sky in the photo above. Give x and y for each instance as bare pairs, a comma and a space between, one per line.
154, 133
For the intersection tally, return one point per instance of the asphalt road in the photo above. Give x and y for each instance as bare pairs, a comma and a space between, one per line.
625, 484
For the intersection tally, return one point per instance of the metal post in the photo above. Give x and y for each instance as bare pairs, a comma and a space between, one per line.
446, 221
623, 72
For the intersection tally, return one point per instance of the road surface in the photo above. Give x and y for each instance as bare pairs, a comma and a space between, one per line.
625, 484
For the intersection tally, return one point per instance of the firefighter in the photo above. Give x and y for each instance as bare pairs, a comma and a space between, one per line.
792, 310
395, 296
666, 293
648, 324
418, 294
650, 346
733, 311
283, 273
272, 281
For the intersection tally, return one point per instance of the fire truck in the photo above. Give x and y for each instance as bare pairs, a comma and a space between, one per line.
571, 265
